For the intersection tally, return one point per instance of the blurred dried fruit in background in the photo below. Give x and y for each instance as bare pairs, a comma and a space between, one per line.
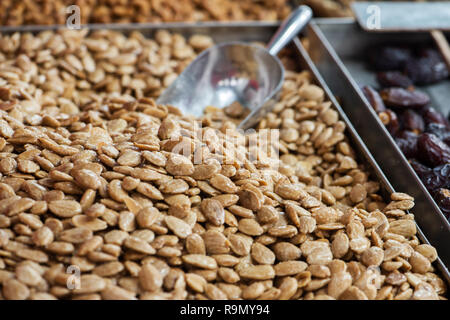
420, 131
427, 67
393, 79
432, 150
388, 58
402, 98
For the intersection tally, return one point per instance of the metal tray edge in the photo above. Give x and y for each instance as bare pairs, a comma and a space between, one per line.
313, 27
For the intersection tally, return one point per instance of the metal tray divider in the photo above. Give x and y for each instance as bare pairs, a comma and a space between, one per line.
379, 142
358, 141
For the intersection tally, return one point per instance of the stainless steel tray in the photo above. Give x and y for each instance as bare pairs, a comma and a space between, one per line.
262, 31
337, 49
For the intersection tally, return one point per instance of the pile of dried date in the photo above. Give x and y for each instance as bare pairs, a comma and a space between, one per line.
420, 131
106, 198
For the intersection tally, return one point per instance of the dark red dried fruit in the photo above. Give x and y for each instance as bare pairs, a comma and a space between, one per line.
431, 115
393, 125
427, 68
428, 52
393, 79
439, 130
413, 121
374, 99
407, 142
433, 179
406, 134
442, 197
402, 98
432, 150
388, 58
444, 172
422, 170
408, 149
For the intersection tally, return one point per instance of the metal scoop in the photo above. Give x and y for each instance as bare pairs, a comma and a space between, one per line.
236, 71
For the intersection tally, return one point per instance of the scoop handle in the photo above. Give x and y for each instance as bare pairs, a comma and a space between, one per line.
290, 27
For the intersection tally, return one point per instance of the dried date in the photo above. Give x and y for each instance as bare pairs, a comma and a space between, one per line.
432, 150
431, 115
402, 98
439, 130
387, 58
427, 68
374, 99
413, 121
393, 79
407, 142
390, 120
442, 197
431, 178
407, 148
422, 170
444, 172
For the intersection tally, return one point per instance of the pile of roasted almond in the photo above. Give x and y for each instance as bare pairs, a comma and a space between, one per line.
106, 195
44, 12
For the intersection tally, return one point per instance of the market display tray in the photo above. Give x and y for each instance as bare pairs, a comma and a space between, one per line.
361, 123
338, 49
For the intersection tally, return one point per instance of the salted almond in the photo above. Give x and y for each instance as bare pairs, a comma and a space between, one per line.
15, 290
291, 191
262, 255
93, 224
117, 293
213, 211
138, 245
195, 282
259, 272
287, 268
226, 200
406, 228
64, 208
147, 216
75, 235
267, 214
195, 244
174, 186
179, 165
216, 242
95, 211
90, 283
250, 199
178, 227
146, 174
86, 179
204, 171
223, 183
200, 261
250, 227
